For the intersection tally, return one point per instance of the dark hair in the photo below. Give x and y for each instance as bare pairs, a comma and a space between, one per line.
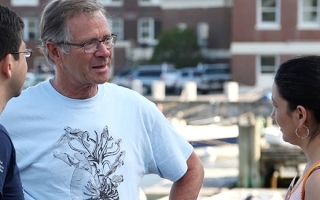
11, 29
298, 82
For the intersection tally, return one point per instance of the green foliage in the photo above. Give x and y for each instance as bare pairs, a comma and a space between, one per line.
178, 47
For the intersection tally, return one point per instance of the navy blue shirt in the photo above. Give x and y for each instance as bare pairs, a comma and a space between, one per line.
10, 183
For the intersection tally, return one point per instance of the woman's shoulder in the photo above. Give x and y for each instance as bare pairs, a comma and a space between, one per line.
312, 183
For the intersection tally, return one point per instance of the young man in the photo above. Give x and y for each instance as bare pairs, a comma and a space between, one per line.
79, 137
13, 70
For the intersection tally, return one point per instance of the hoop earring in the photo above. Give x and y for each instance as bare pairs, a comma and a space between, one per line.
304, 137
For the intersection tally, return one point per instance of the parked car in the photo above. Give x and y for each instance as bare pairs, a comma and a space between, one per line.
121, 78
187, 74
149, 73
213, 77
30, 78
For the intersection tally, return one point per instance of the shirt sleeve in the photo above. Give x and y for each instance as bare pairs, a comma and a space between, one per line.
170, 149
5, 156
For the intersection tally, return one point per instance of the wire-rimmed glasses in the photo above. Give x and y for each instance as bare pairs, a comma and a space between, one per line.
93, 46
27, 53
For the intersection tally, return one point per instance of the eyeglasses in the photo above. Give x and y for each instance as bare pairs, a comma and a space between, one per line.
27, 53
93, 46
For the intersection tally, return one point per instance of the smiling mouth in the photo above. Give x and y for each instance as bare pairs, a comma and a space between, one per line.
100, 66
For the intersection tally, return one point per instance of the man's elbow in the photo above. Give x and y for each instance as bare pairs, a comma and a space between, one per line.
195, 172
198, 170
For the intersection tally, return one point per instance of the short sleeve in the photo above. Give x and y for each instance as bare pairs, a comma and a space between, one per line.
5, 156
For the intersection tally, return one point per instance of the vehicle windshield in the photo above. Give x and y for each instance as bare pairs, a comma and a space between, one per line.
150, 73
218, 71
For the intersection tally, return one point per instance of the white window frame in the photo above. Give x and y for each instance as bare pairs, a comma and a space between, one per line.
32, 3
28, 29
182, 26
203, 34
150, 30
308, 24
114, 3
260, 67
118, 30
149, 2
276, 25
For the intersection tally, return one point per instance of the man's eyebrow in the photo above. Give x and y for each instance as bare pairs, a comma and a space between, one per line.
97, 39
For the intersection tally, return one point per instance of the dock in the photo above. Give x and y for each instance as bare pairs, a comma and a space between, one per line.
221, 176
240, 158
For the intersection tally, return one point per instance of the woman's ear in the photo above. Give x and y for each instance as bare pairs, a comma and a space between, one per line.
302, 115
6, 65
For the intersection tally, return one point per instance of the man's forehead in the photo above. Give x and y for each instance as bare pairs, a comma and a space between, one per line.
88, 25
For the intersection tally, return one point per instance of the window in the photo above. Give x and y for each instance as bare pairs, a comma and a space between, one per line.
117, 27
309, 14
150, 73
30, 29
182, 26
203, 34
25, 2
184, 74
148, 30
268, 64
197, 74
149, 2
268, 14
111, 2
218, 71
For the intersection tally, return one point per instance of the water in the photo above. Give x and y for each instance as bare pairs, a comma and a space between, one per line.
221, 172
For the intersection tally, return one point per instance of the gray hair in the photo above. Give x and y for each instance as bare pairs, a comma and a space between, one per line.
53, 21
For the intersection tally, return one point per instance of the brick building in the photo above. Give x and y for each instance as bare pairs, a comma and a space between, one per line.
138, 23
267, 32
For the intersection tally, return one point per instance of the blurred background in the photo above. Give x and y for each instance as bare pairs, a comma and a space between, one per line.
209, 66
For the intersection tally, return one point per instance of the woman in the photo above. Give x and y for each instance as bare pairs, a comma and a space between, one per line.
296, 99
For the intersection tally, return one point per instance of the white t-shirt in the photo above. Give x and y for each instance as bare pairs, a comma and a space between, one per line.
97, 148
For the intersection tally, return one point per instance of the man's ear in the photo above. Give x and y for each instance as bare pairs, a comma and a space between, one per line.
6, 66
53, 51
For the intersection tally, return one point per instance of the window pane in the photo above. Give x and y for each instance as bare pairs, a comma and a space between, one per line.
269, 17
117, 27
202, 34
30, 29
268, 64
310, 11
145, 24
145, 34
311, 3
157, 27
25, 2
184, 74
310, 16
268, 60
217, 71
146, 30
269, 3
269, 10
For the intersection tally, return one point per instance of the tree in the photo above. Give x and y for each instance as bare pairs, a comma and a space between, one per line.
178, 47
